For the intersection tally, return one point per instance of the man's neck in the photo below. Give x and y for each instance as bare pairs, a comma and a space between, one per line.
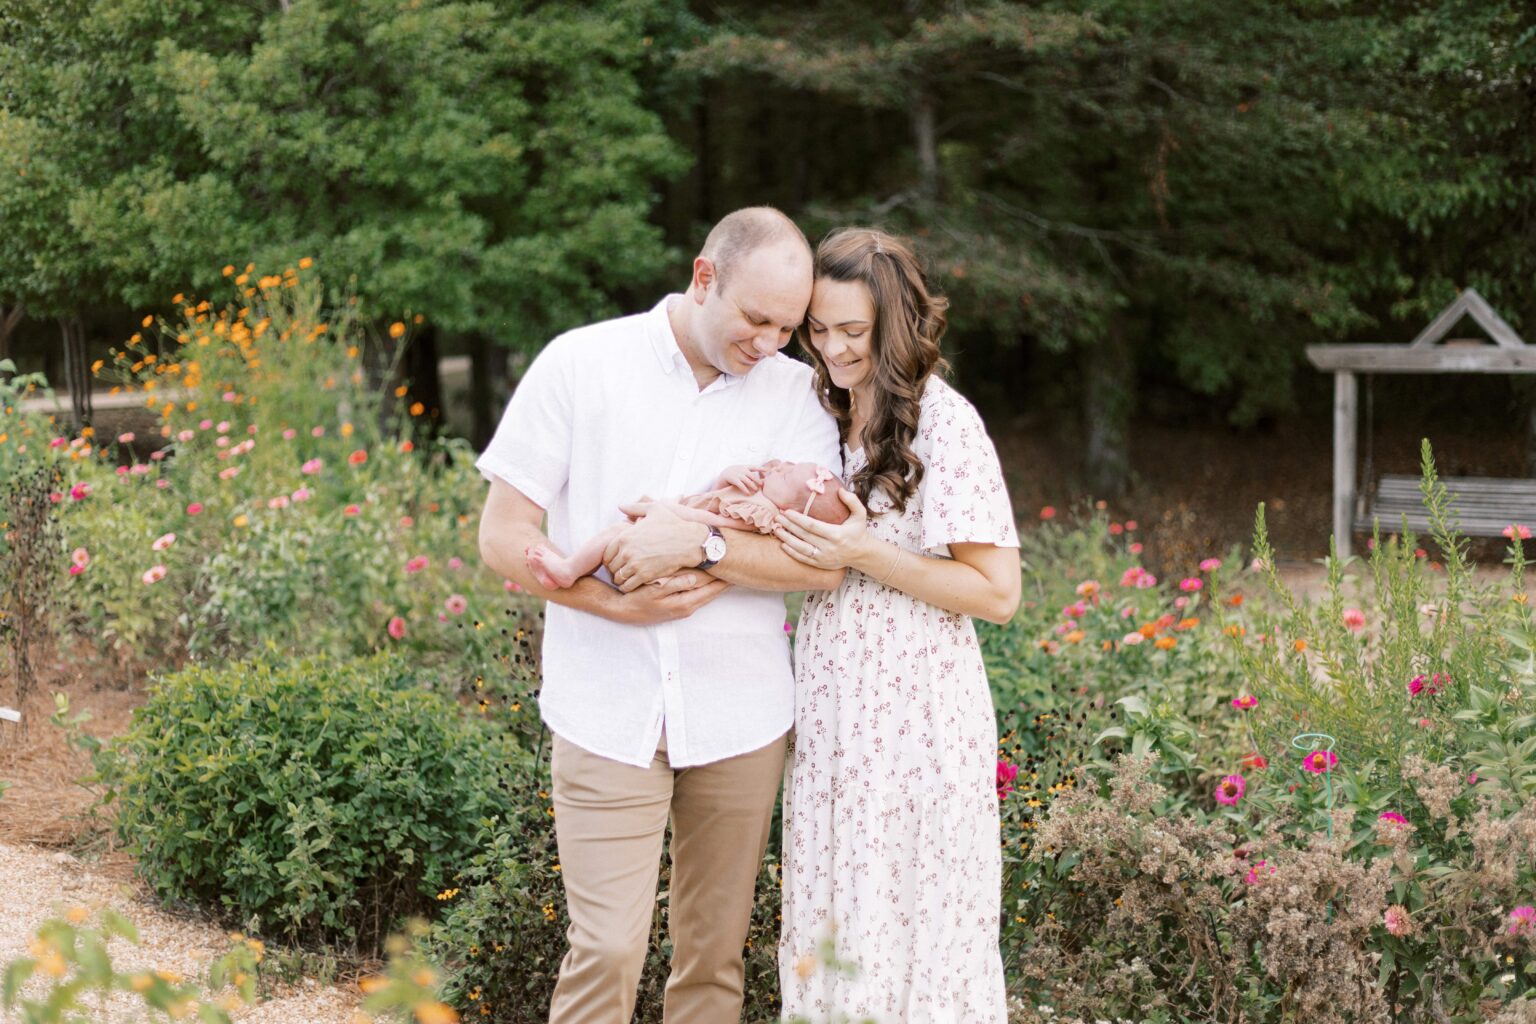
678, 316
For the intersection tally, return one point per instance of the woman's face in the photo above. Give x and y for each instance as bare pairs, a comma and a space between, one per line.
842, 326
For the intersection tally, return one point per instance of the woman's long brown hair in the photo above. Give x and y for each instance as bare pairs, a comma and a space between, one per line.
909, 321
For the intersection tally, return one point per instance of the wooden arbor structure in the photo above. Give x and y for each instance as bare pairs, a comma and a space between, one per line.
1486, 505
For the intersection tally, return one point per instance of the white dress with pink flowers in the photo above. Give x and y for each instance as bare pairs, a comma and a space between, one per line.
891, 847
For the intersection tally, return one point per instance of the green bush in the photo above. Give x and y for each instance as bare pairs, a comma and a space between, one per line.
317, 800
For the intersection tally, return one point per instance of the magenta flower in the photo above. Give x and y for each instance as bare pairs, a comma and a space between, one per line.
57, 442
1230, 790
80, 491
1354, 618
1522, 920
205, 424
1210, 565
397, 627
456, 604
416, 564
1006, 773
1253, 872
1396, 920
1320, 762
195, 508
351, 510
1191, 583
154, 574
76, 570
1416, 686
311, 467
1246, 702
1393, 817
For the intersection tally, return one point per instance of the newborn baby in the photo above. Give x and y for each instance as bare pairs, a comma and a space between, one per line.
744, 498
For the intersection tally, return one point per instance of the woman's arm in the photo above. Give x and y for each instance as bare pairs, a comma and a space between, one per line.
981, 580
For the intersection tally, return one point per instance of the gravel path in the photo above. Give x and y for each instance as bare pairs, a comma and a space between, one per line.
36, 884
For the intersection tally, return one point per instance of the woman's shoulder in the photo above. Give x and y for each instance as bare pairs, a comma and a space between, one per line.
942, 408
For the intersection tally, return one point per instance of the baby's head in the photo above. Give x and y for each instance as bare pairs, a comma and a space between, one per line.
808, 488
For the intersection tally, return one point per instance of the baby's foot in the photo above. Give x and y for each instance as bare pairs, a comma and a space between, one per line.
549, 569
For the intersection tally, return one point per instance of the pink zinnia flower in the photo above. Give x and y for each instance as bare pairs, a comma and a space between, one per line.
397, 627
1522, 920
80, 491
290, 434
55, 497
76, 570
1354, 618
1191, 583
1006, 773
1130, 524
1210, 565
205, 424
311, 467
1088, 588
185, 435
126, 437
1397, 921
158, 455
223, 427
1246, 702
406, 522
1416, 685
302, 494
251, 429
1516, 530
229, 472
222, 442
1230, 790
228, 396
455, 562
1132, 639
164, 541
416, 564
57, 442
1320, 762
1253, 873
154, 574
351, 510
162, 484
1393, 817
80, 557
1115, 529
1135, 547
281, 501
317, 432
1181, 602
121, 471
195, 508
456, 604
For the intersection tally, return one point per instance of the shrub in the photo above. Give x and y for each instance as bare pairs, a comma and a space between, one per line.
319, 799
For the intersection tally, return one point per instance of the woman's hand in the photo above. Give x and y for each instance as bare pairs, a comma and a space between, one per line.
824, 545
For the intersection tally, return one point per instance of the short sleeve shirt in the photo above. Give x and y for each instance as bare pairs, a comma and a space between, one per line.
608, 413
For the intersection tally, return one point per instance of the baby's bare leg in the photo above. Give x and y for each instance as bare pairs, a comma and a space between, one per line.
556, 571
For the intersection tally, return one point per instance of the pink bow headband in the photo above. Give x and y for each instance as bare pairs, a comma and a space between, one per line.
816, 485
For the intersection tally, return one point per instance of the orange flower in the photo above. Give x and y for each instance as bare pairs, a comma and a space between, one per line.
1299, 645
305, 263
1165, 643
1149, 630
407, 447
1236, 631
397, 330
1075, 637
371, 984
358, 457
1187, 624
432, 1012
228, 269
417, 408
1235, 600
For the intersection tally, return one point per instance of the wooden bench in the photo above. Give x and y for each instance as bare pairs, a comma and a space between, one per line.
1484, 506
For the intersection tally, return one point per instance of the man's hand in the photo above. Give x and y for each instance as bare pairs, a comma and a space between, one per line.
675, 598
658, 545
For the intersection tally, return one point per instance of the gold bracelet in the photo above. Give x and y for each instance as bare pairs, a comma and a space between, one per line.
894, 562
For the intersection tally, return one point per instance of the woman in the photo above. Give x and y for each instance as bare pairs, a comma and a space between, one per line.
890, 823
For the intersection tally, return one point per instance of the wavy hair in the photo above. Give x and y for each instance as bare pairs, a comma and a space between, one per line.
909, 321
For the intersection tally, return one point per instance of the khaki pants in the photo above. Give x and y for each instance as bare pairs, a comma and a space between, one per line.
609, 823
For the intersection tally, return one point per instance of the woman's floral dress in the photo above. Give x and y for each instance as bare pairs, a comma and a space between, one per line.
891, 847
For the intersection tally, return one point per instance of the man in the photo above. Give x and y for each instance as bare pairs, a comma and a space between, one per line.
671, 699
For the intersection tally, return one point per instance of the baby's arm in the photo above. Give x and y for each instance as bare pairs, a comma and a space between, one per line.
746, 479
637, 509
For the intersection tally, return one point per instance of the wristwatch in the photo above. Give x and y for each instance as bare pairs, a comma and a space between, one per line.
714, 549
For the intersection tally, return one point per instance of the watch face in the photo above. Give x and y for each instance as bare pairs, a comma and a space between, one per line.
714, 548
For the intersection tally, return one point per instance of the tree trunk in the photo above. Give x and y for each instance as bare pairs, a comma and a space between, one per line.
77, 373
924, 140
1108, 399
9, 319
487, 388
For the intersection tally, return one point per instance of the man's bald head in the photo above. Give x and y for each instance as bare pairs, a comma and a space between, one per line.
748, 230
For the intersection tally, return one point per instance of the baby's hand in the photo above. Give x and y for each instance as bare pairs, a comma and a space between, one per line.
746, 479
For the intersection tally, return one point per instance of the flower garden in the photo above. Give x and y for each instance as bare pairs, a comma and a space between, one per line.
1220, 802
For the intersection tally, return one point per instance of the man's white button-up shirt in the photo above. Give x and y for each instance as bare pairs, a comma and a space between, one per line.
608, 413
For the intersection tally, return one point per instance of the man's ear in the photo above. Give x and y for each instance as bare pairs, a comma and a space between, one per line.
703, 277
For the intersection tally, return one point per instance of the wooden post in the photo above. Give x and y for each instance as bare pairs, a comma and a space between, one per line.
1345, 393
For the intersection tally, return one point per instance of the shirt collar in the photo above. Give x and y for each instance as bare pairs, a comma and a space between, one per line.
669, 354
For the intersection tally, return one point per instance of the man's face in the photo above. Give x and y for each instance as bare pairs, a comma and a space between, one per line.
757, 311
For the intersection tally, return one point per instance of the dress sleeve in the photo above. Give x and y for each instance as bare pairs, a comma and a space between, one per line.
531, 449
962, 495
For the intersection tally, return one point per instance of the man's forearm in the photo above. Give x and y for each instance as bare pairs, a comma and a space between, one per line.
757, 561
503, 550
